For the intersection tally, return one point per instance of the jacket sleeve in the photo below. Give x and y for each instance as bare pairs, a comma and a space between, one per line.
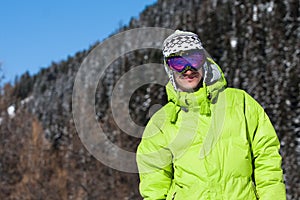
154, 162
268, 175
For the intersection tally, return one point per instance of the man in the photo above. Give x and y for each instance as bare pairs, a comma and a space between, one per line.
208, 141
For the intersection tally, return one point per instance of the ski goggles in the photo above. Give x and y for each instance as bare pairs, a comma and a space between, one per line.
191, 60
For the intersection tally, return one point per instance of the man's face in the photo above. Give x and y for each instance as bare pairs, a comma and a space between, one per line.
189, 80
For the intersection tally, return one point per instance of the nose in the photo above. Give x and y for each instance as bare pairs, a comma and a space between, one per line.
188, 72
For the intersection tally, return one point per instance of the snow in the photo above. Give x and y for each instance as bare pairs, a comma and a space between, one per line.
255, 16
11, 111
266, 7
26, 100
233, 42
270, 6
214, 3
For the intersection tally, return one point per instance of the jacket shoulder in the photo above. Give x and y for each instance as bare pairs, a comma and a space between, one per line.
161, 117
239, 95
163, 113
235, 92
240, 98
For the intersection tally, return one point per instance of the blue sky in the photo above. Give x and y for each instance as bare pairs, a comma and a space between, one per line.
36, 33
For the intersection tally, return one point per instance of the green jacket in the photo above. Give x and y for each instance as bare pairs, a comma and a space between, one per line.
215, 143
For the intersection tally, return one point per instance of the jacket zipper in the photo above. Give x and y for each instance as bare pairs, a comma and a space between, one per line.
173, 196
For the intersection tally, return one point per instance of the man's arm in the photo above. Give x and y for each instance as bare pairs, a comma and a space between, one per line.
154, 162
268, 175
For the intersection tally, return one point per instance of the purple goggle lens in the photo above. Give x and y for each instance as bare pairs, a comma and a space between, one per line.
193, 60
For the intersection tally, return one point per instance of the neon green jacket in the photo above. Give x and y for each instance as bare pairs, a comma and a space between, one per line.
215, 143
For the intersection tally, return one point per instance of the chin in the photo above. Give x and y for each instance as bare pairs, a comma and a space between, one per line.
191, 87
188, 88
